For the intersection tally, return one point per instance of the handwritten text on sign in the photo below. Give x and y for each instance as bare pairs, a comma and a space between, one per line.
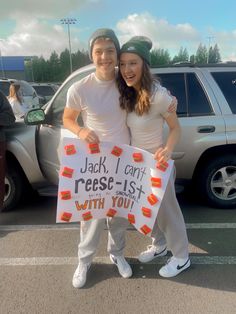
109, 180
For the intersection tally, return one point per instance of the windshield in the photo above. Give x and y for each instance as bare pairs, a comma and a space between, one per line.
44, 90
26, 89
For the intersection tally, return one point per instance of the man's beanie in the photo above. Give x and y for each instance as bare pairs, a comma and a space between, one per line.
103, 33
141, 45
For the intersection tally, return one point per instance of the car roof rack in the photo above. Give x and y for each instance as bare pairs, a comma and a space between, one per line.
198, 65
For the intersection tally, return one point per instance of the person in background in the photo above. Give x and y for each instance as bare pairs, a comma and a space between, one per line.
7, 118
16, 101
97, 98
147, 103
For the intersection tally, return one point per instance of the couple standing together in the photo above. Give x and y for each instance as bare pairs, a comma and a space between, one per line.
127, 106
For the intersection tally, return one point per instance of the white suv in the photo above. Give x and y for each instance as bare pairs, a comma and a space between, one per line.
205, 155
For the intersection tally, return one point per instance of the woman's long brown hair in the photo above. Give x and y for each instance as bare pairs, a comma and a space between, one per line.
14, 88
130, 99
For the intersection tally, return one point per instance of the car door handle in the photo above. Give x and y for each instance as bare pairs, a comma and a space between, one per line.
206, 129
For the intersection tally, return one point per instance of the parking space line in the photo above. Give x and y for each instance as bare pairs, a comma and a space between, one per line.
60, 261
76, 226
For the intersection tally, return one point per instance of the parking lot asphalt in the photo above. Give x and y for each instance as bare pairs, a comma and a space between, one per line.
38, 259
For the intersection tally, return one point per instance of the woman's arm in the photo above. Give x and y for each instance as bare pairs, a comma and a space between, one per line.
164, 154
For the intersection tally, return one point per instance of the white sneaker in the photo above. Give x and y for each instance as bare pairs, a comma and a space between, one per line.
80, 275
174, 266
122, 265
151, 253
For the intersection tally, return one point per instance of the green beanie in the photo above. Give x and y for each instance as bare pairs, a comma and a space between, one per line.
140, 45
103, 33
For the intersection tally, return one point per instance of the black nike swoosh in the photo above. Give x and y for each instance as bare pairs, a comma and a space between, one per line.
156, 254
180, 267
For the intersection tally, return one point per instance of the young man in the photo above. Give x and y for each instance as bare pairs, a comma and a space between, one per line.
6, 118
96, 97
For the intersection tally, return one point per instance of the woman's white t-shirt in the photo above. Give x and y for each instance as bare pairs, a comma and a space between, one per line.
18, 108
147, 130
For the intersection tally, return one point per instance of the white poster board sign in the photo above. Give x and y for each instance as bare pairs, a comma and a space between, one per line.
109, 180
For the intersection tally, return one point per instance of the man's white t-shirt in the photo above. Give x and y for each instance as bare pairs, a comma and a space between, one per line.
147, 130
99, 103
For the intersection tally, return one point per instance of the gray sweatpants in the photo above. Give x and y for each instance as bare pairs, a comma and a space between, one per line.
169, 228
90, 233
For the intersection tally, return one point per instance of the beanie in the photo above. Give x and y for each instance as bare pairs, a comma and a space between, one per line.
140, 45
103, 33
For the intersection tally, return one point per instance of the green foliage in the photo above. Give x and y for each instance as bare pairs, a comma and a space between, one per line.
160, 57
214, 55
56, 68
201, 54
182, 56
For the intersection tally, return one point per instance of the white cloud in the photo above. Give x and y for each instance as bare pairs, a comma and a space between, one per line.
34, 38
163, 34
226, 42
169, 36
41, 9
35, 34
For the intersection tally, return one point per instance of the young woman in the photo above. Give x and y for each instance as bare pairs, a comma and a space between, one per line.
15, 101
147, 103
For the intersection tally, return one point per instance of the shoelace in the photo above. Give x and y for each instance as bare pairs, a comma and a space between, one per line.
151, 248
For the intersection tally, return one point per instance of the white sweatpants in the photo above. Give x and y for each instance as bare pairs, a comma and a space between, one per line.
169, 228
90, 233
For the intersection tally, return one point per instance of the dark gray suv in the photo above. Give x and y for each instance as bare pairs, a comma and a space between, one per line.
205, 155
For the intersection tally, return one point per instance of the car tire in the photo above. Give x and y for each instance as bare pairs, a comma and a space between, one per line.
217, 181
14, 184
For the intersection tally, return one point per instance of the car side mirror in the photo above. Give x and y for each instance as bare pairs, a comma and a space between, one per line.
34, 117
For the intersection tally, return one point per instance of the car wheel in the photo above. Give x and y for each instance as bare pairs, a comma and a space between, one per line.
14, 183
217, 182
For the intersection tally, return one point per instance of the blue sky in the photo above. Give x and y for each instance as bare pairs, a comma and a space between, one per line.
32, 27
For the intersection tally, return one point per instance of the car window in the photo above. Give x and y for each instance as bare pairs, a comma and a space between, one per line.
175, 83
4, 87
227, 83
192, 100
44, 90
58, 105
26, 89
198, 103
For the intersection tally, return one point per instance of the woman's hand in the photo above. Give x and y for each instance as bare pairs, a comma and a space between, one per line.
162, 154
88, 135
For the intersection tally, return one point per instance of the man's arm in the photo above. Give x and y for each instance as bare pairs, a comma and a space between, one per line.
70, 117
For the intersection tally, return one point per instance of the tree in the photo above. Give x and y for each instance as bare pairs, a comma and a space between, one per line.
80, 58
182, 56
65, 64
53, 67
160, 57
201, 54
192, 59
56, 68
214, 55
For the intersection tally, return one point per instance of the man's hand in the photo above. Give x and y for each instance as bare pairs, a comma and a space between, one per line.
88, 135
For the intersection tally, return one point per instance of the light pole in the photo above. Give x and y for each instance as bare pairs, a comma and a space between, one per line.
69, 21
209, 45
